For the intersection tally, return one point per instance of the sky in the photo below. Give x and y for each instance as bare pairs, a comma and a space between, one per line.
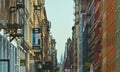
60, 14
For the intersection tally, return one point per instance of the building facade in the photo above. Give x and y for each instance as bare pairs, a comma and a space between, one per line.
67, 57
117, 36
24, 24
76, 37
95, 45
103, 35
109, 35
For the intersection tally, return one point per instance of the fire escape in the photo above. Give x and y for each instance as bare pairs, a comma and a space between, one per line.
15, 25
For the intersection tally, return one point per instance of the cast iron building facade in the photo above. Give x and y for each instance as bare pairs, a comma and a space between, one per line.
20, 49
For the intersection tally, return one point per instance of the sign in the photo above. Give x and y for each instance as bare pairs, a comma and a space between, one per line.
36, 30
36, 41
36, 38
36, 47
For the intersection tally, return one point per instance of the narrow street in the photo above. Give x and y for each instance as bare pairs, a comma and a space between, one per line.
27, 43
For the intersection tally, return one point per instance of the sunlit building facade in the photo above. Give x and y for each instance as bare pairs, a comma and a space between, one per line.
19, 20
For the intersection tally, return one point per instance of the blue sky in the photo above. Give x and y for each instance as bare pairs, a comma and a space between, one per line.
60, 14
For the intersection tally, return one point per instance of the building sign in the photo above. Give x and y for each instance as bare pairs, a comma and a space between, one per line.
36, 47
36, 30
36, 38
